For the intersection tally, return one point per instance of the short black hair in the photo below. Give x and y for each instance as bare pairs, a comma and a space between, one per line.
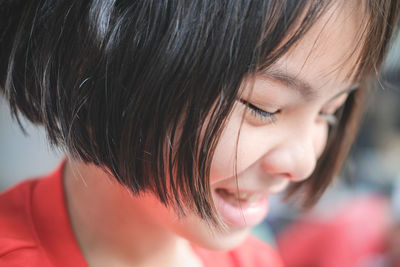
129, 85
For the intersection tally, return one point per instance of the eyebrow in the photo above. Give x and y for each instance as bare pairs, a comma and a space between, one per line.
298, 84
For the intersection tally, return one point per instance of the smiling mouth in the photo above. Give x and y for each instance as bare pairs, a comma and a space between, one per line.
240, 208
239, 198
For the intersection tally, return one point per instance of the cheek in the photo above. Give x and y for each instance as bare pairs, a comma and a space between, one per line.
320, 140
227, 159
222, 164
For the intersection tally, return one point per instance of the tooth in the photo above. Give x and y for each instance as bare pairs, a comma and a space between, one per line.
252, 198
237, 198
243, 195
255, 197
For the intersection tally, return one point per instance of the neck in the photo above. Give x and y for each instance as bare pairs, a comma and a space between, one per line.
112, 227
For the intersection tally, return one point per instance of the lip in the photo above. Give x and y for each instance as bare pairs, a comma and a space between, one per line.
241, 216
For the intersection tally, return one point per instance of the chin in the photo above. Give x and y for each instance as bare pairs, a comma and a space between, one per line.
202, 236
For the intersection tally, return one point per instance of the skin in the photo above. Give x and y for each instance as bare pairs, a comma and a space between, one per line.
270, 155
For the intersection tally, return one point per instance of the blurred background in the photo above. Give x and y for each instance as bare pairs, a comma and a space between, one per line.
22, 155
356, 223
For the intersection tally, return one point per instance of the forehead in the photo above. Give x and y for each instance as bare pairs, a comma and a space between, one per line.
327, 54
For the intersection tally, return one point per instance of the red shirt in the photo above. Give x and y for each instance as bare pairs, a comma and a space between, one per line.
35, 231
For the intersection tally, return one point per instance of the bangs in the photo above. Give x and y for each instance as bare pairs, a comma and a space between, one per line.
377, 23
284, 25
381, 21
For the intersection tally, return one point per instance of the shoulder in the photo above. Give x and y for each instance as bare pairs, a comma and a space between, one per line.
254, 252
18, 253
15, 219
18, 244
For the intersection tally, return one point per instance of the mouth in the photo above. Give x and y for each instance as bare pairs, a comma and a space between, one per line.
239, 199
240, 209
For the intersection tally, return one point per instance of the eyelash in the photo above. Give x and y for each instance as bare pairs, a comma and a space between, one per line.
331, 119
263, 115
266, 116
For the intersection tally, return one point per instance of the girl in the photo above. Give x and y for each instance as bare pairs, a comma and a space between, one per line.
179, 119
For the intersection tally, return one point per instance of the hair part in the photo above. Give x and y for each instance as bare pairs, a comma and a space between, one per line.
143, 88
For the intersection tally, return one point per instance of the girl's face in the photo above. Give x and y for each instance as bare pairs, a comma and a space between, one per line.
283, 115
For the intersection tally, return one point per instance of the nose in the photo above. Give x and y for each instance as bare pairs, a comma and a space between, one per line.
293, 157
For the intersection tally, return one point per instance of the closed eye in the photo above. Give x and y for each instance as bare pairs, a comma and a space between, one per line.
259, 113
333, 112
331, 119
